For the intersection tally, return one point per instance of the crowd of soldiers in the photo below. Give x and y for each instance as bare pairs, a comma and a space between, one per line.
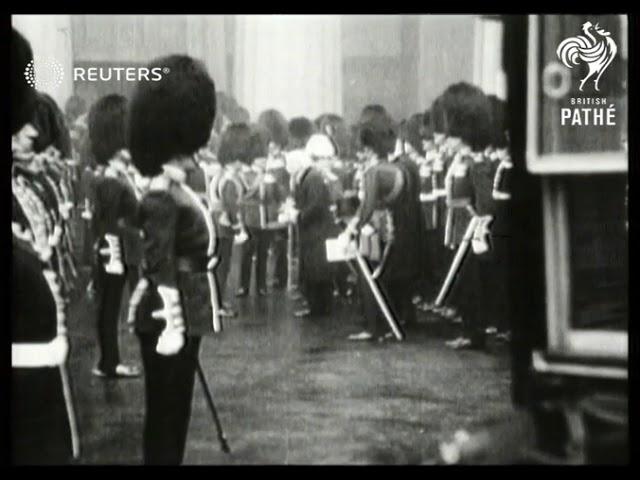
157, 193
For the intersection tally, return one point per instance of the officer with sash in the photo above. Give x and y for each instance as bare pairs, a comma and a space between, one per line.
390, 192
176, 300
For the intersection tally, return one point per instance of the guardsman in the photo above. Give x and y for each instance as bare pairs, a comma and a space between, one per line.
418, 146
436, 160
51, 171
275, 190
42, 418
316, 223
118, 245
300, 130
254, 214
392, 189
500, 159
468, 184
339, 174
175, 302
227, 191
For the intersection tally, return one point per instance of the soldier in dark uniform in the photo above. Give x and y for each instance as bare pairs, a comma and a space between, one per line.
254, 212
174, 304
274, 125
116, 252
40, 430
392, 188
469, 182
416, 137
439, 155
345, 198
300, 130
501, 165
316, 224
227, 190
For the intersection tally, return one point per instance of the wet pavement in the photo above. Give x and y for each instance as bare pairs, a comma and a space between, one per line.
295, 391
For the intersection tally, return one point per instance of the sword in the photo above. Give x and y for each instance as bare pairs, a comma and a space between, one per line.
382, 303
50, 278
68, 401
457, 261
224, 446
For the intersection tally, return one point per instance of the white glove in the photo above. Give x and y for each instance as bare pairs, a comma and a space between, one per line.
172, 338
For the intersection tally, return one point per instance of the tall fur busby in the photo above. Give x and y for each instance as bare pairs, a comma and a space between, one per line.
236, 144
468, 115
229, 108
107, 133
50, 123
23, 96
259, 142
300, 130
427, 125
500, 138
438, 118
412, 132
172, 116
378, 133
370, 111
275, 126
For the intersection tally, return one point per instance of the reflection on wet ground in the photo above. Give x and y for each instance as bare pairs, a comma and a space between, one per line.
295, 391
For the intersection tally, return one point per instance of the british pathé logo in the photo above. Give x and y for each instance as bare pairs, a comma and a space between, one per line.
596, 49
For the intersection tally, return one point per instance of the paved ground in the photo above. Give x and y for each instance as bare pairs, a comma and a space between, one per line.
292, 391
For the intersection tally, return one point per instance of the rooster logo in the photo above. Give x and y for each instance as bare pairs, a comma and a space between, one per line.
597, 53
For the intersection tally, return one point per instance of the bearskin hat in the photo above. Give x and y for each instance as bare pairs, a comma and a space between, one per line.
236, 144
275, 126
468, 115
23, 96
300, 129
172, 116
49, 121
500, 138
107, 133
438, 117
259, 142
378, 132
412, 132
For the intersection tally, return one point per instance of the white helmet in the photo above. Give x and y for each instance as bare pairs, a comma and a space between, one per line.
321, 146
